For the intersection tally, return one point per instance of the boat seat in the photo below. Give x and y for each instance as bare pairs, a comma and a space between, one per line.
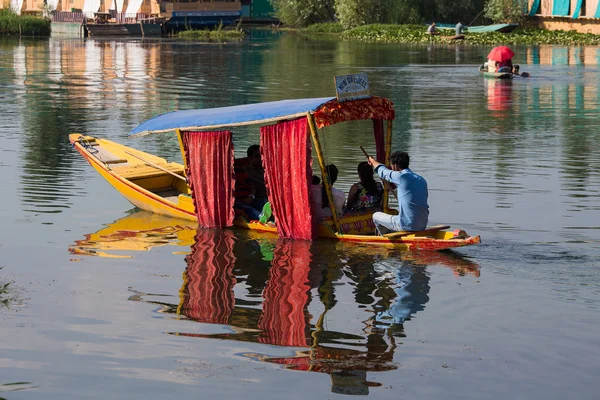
146, 171
106, 156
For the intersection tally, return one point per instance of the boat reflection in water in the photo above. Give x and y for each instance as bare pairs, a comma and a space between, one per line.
292, 301
138, 231
499, 96
339, 308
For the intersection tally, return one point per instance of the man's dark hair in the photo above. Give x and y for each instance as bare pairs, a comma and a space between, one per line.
400, 159
252, 149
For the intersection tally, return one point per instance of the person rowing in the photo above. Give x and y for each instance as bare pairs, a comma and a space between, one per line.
412, 196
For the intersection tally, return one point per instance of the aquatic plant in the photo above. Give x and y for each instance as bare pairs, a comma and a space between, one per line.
216, 34
418, 34
13, 24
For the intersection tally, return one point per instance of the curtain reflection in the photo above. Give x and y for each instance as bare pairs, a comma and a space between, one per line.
364, 298
208, 280
284, 320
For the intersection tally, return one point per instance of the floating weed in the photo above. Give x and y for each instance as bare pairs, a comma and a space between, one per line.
418, 34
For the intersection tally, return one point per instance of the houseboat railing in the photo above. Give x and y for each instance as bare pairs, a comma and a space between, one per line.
120, 18
67, 16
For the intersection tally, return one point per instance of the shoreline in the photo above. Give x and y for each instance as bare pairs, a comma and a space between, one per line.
417, 34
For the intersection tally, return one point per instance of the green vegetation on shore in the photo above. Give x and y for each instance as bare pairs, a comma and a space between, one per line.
418, 34
13, 24
217, 34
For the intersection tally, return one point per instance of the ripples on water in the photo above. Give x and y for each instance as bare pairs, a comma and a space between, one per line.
516, 162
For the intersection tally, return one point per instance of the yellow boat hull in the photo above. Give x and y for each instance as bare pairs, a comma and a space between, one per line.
166, 193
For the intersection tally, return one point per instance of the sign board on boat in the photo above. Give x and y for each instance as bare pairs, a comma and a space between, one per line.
352, 87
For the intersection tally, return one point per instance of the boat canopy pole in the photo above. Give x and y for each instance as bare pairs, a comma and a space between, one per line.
182, 149
317, 146
388, 151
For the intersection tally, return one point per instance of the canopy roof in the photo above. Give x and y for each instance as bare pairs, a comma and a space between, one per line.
226, 116
327, 111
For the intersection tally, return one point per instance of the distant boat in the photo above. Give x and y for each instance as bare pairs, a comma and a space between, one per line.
502, 75
504, 28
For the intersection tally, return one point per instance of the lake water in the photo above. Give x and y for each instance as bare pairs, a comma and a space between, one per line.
106, 301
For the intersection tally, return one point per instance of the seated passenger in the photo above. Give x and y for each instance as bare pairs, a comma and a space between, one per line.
319, 198
505, 66
366, 194
490, 65
250, 189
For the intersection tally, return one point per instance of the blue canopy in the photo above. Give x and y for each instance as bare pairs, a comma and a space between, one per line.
227, 116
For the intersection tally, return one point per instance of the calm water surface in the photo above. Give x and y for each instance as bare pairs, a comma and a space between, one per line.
106, 301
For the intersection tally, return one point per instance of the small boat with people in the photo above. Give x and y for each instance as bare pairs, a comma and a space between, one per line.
206, 186
500, 66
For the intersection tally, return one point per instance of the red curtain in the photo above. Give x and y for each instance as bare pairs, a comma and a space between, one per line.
286, 154
284, 320
379, 140
209, 157
208, 281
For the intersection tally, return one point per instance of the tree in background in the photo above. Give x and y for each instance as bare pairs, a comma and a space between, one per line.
452, 11
400, 12
300, 13
353, 13
506, 11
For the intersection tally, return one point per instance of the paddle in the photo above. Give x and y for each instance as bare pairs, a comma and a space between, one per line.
386, 183
156, 166
430, 229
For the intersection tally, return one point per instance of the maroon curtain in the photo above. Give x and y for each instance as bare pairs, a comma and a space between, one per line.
379, 140
209, 158
286, 154
208, 281
284, 320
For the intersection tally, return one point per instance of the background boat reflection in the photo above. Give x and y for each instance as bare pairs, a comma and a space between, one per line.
340, 308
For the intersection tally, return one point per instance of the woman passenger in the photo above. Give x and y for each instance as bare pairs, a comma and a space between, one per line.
366, 194
319, 198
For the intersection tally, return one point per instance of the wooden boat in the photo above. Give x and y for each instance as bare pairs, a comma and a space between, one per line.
497, 75
153, 184
504, 28
502, 75
116, 29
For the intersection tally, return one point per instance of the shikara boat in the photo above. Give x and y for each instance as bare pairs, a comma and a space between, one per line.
497, 75
153, 184
502, 75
